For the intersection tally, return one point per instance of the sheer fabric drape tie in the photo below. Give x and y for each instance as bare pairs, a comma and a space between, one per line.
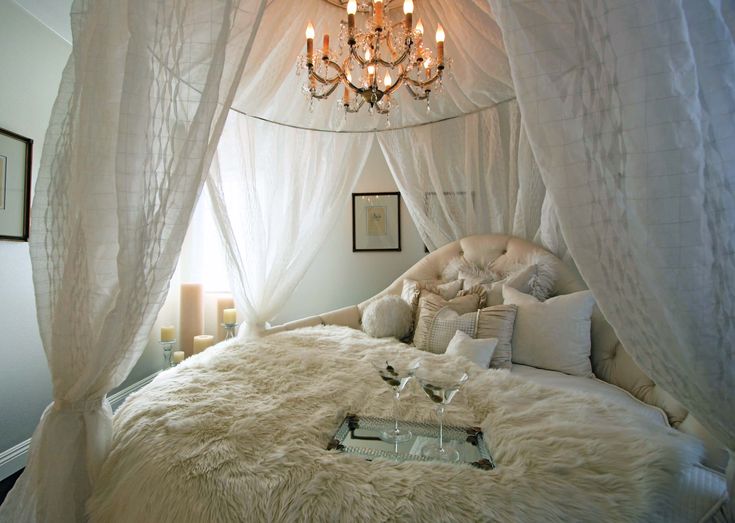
84, 405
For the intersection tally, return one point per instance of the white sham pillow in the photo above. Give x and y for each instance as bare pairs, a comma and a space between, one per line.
480, 352
554, 334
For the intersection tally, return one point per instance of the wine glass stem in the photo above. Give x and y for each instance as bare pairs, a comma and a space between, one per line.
396, 398
440, 416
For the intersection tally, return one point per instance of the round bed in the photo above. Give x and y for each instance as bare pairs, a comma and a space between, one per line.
240, 432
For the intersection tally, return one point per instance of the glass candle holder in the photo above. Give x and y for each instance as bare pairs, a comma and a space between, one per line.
230, 330
168, 349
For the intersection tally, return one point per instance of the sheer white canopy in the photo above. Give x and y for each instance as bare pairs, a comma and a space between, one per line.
474, 174
629, 107
131, 137
276, 193
609, 121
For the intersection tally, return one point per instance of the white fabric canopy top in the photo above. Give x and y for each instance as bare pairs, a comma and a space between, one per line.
605, 125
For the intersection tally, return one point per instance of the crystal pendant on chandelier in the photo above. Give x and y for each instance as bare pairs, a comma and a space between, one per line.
384, 56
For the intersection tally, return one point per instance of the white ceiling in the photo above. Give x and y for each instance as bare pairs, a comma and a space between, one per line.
54, 14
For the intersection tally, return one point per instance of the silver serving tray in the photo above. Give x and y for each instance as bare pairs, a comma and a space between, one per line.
360, 435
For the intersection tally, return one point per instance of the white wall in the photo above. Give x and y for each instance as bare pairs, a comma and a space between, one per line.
339, 277
32, 59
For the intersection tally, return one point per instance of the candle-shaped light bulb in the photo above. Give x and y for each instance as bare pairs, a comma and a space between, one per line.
351, 7
367, 55
408, 14
387, 80
439, 34
309, 44
371, 74
440, 45
420, 27
378, 13
349, 76
371, 69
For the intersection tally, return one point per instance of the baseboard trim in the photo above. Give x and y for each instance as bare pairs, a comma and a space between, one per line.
16, 457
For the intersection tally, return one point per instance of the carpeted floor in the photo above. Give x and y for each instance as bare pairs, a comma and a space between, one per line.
7, 484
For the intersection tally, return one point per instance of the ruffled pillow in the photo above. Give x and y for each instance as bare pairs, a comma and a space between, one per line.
534, 276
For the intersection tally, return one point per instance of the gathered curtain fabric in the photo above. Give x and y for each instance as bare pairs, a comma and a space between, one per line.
629, 109
473, 174
142, 102
276, 193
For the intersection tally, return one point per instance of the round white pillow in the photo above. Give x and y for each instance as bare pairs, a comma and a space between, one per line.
387, 316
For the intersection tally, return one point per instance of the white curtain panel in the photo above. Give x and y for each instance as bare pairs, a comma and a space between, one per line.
139, 111
276, 192
473, 174
629, 108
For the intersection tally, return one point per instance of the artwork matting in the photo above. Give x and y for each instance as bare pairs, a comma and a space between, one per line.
376, 221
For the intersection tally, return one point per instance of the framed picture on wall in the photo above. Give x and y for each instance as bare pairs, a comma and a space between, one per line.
16, 153
376, 221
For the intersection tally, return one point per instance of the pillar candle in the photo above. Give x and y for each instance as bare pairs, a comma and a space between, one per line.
201, 342
222, 304
191, 316
168, 333
229, 316
179, 356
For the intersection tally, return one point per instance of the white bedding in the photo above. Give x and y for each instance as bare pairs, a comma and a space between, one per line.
594, 386
238, 433
699, 490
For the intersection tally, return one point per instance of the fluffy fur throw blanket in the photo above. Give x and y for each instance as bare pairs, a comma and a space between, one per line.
238, 433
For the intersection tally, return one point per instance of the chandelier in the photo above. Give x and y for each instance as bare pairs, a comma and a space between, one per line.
372, 63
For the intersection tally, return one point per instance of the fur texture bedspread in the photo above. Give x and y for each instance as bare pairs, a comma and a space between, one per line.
238, 433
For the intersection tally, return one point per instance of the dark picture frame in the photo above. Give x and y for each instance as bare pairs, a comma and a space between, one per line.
376, 221
16, 159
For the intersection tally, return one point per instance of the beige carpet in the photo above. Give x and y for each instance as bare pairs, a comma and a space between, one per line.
238, 434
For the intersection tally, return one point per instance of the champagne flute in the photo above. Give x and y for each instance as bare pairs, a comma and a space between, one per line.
440, 385
397, 375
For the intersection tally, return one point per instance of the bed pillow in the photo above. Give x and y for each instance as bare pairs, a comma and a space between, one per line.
388, 316
480, 352
497, 322
411, 290
555, 334
439, 319
535, 275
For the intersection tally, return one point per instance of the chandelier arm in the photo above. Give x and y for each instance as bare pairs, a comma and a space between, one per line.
322, 80
396, 84
398, 62
425, 83
414, 94
357, 57
325, 94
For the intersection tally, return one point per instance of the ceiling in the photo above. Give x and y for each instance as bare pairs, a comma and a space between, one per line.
54, 14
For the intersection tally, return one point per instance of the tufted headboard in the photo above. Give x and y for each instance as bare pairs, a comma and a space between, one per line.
610, 362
